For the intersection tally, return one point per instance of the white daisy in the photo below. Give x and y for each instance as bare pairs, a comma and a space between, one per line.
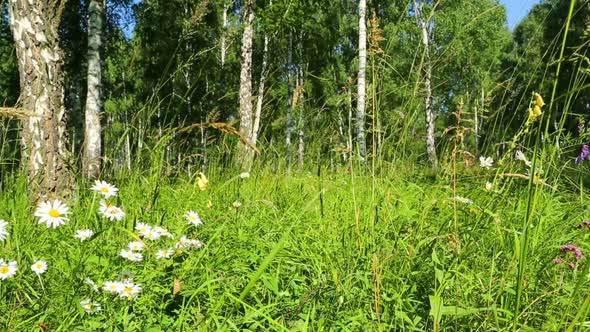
163, 232
7, 269
244, 175
237, 205
193, 218
130, 290
104, 188
90, 307
165, 253
3, 230
84, 234
183, 242
130, 255
136, 246
489, 186
142, 228
91, 283
152, 234
196, 244
39, 267
113, 286
110, 211
486, 162
52, 213
186, 243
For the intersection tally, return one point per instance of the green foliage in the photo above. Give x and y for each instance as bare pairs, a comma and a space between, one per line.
298, 254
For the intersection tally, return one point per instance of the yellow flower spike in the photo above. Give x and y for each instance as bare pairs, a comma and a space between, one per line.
209, 204
537, 111
539, 100
202, 181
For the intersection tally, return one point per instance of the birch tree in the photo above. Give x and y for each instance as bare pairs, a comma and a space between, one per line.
427, 67
361, 84
34, 26
246, 86
92, 130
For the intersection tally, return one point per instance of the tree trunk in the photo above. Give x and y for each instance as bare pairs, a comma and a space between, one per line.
222, 46
34, 26
430, 117
92, 133
300, 93
260, 96
290, 122
246, 87
360, 107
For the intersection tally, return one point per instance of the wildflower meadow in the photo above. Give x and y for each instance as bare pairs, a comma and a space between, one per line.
285, 165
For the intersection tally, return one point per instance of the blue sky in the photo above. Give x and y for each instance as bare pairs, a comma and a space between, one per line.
517, 10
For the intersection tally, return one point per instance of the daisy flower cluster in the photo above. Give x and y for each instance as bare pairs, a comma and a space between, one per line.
56, 213
154, 233
124, 289
8, 268
106, 208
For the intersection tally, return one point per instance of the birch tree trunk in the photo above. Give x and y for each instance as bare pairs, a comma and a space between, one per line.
301, 96
430, 117
360, 107
92, 133
34, 26
290, 122
260, 95
222, 46
246, 87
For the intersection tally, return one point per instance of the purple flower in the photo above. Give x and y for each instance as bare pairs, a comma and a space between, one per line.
557, 260
571, 264
585, 223
583, 154
571, 247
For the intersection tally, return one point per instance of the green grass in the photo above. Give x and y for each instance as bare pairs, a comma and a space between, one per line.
306, 253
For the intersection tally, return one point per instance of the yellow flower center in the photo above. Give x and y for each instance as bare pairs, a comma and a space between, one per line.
128, 289
54, 213
104, 189
39, 266
4, 269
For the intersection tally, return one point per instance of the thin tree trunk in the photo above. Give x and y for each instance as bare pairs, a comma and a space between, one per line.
360, 109
260, 96
92, 131
301, 125
222, 46
246, 86
34, 26
430, 117
290, 122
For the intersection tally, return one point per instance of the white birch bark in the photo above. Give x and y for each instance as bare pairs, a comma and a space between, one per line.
223, 42
301, 124
260, 95
246, 86
290, 122
34, 26
92, 130
361, 84
430, 116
